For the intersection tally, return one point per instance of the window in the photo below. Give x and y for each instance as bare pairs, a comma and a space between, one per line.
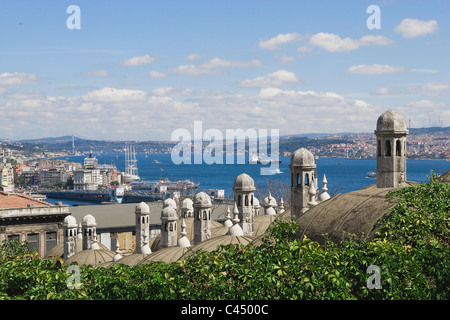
387, 147
239, 201
379, 148
33, 242
204, 215
299, 180
398, 148
246, 200
306, 179
50, 241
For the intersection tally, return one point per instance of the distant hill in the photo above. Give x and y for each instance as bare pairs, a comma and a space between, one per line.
429, 130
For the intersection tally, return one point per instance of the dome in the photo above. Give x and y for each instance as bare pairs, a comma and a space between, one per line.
142, 208
256, 203
187, 204
170, 202
302, 157
91, 257
391, 121
70, 222
244, 183
169, 213
270, 201
89, 221
184, 242
202, 199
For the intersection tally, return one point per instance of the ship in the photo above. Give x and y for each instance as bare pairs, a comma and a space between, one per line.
131, 169
160, 186
371, 175
259, 160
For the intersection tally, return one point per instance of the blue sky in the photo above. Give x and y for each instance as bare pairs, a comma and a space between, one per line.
141, 69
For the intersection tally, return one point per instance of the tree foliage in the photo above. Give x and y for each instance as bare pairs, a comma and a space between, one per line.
411, 251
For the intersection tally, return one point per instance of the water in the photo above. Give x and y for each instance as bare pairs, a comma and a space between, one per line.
343, 175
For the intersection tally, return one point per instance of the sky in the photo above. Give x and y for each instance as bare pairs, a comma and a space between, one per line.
139, 70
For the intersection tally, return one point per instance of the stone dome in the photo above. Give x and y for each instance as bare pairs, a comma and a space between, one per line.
169, 213
170, 202
91, 257
187, 204
302, 157
244, 183
89, 221
270, 201
70, 222
202, 199
142, 208
391, 121
256, 203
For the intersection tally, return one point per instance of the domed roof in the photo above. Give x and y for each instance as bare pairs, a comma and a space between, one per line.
302, 157
168, 255
244, 182
270, 201
170, 202
70, 221
202, 199
89, 221
142, 208
184, 242
187, 204
91, 257
213, 243
256, 203
391, 120
169, 213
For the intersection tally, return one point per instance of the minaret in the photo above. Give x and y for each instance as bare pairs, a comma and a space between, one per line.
202, 217
187, 208
391, 149
303, 175
244, 188
142, 213
89, 229
70, 236
324, 194
169, 219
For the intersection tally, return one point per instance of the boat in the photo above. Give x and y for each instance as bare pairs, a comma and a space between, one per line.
278, 171
259, 160
131, 169
155, 161
116, 194
371, 175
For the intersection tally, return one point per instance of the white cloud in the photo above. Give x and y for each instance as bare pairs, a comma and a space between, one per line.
18, 79
411, 28
284, 59
194, 56
139, 61
376, 69
112, 95
274, 79
157, 74
98, 73
170, 91
430, 89
213, 66
280, 39
334, 43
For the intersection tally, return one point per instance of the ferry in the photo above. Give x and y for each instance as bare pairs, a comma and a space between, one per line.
259, 160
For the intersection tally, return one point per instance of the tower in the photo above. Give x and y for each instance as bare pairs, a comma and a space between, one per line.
142, 213
244, 188
70, 236
391, 149
169, 219
303, 174
202, 217
89, 230
187, 208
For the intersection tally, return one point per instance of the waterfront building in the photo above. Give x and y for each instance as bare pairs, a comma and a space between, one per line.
26, 219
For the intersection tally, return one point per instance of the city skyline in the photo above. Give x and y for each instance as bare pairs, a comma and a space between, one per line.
140, 70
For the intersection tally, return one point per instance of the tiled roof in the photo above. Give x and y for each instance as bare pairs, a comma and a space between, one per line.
14, 200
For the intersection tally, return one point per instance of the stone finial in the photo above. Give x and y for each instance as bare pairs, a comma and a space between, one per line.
324, 194
312, 195
228, 223
236, 229
281, 206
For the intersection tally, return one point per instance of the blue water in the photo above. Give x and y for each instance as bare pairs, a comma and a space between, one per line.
343, 175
